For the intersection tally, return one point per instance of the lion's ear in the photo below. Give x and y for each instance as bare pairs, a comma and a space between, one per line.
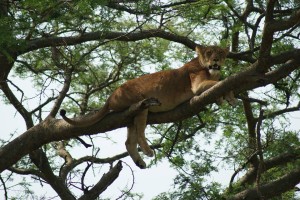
199, 49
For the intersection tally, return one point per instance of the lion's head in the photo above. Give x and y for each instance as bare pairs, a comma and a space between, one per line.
212, 57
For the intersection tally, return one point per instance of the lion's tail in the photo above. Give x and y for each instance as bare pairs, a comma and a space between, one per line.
88, 120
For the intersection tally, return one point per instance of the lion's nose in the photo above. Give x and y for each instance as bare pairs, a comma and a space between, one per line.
215, 59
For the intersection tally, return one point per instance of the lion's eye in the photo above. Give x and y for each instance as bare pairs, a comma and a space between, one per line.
208, 53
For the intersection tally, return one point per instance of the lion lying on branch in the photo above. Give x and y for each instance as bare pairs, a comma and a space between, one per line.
163, 91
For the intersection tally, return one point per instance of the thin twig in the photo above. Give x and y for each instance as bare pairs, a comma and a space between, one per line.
4, 188
133, 182
175, 139
260, 152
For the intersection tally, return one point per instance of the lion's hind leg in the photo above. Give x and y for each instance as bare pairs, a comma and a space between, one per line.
131, 146
140, 121
136, 132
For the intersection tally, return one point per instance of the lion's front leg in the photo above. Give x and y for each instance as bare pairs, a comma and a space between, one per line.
205, 85
202, 86
229, 97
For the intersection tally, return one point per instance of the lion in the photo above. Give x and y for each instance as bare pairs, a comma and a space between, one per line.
170, 87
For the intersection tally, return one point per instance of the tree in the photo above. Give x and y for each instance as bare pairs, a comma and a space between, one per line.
76, 52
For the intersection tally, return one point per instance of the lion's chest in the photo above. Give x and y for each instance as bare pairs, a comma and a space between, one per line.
214, 74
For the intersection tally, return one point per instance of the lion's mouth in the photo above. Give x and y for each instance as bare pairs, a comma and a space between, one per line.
214, 67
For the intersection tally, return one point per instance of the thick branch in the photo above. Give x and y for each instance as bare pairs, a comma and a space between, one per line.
267, 38
106, 180
282, 25
99, 35
282, 159
251, 124
40, 160
6, 64
272, 189
117, 6
285, 56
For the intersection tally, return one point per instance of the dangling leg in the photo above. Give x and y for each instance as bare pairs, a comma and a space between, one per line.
131, 146
136, 132
140, 121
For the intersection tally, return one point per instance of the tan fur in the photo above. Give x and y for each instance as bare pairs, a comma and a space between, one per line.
170, 87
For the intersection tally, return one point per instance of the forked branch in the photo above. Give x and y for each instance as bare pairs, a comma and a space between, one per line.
106, 180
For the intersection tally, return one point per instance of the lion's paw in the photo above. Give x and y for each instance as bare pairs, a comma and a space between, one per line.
232, 102
149, 152
141, 164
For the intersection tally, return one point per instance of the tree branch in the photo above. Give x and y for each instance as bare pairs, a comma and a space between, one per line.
106, 180
39, 107
241, 168
282, 159
280, 112
26, 172
4, 187
116, 6
41, 161
17, 104
251, 124
100, 35
64, 154
267, 38
272, 189
259, 152
62, 94
117, 36
282, 25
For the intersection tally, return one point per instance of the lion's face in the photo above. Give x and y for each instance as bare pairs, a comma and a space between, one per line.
212, 57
